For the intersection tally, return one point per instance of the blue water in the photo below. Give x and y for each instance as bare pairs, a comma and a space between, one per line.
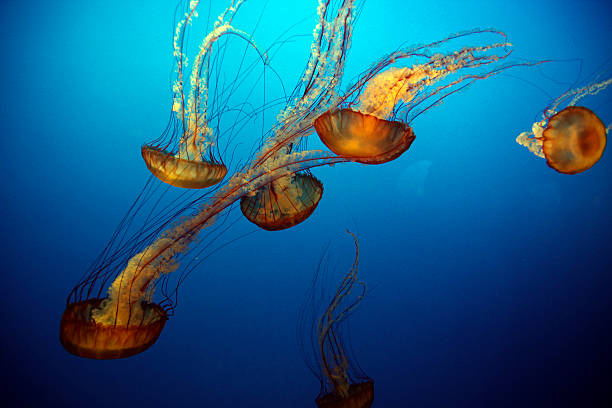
489, 273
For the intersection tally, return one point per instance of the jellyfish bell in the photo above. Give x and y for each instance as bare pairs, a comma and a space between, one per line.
363, 138
360, 395
81, 335
574, 140
181, 172
284, 202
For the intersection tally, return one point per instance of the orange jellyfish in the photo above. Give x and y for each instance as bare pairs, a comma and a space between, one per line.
365, 138
85, 336
119, 308
573, 139
343, 382
185, 155
368, 130
93, 328
284, 202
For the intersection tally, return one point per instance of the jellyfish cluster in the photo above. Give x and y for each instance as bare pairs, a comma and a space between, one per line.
115, 310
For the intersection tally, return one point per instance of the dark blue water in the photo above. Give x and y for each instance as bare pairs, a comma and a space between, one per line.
489, 273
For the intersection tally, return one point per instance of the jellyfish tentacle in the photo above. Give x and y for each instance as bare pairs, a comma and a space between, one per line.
183, 156
333, 357
196, 134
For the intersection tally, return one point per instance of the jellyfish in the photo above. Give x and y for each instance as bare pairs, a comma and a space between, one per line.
127, 321
118, 307
343, 382
572, 139
366, 138
184, 155
373, 124
285, 202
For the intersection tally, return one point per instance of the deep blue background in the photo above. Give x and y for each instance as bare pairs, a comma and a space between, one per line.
489, 272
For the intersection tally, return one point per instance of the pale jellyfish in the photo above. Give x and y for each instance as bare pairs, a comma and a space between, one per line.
411, 181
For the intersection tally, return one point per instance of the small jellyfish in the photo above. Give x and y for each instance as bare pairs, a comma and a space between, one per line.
573, 139
284, 202
343, 382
